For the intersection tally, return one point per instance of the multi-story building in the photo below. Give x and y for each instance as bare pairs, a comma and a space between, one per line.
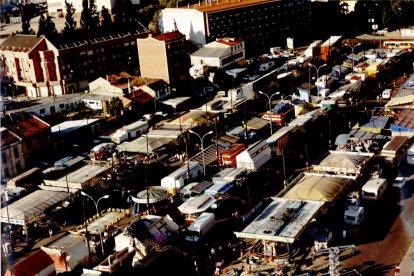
164, 57
22, 143
261, 23
12, 161
43, 68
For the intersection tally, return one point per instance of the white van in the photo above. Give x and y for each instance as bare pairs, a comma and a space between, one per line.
386, 94
200, 227
374, 189
354, 215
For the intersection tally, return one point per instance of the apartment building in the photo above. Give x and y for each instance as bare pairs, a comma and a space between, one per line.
43, 68
164, 57
261, 23
12, 161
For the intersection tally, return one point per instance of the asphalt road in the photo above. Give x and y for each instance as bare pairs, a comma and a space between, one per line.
8, 29
390, 230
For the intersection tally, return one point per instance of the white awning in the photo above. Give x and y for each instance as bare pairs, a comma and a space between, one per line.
28, 208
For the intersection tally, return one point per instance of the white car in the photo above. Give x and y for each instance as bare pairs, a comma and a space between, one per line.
147, 117
399, 182
160, 113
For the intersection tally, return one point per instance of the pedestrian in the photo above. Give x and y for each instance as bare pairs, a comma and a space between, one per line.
50, 232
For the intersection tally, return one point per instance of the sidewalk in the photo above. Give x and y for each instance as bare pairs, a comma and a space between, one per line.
406, 267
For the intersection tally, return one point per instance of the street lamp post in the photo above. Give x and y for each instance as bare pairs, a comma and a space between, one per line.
353, 47
97, 214
202, 147
270, 108
317, 73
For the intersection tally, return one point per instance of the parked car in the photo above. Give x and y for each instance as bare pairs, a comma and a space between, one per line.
147, 116
161, 114
399, 182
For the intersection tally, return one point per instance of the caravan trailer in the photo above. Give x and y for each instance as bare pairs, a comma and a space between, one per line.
130, 131
200, 227
374, 189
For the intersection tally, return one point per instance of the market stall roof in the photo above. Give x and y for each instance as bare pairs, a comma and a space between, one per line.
341, 139
196, 204
374, 124
151, 194
139, 145
100, 224
317, 187
405, 119
210, 155
359, 134
405, 100
349, 162
77, 178
193, 118
257, 123
28, 208
279, 134
282, 221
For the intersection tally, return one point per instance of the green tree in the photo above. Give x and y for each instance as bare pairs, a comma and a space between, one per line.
85, 20
46, 27
106, 21
125, 14
70, 23
27, 12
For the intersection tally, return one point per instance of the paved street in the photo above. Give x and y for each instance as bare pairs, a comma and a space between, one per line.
382, 255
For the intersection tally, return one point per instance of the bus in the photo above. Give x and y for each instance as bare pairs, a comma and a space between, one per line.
398, 44
410, 155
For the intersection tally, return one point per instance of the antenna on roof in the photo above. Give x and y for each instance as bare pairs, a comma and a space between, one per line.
175, 26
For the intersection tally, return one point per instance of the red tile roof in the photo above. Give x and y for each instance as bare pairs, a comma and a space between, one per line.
140, 96
20, 43
32, 265
8, 137
169, 36
230, 41
29, 127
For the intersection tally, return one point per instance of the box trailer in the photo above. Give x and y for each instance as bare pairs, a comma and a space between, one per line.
228, 156
178, 178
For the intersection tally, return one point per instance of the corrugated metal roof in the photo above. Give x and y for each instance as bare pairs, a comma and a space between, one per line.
282, 221
405, 100
257, 123
396, 143
405, 118
215, 52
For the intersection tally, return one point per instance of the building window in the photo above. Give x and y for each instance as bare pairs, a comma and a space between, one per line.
16, 152
52, 109
90, 52
61, 106
3, 157
6, 173
42, 111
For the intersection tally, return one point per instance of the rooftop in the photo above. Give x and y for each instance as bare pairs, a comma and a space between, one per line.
29, 127
282, 221
216, 6
20, 43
